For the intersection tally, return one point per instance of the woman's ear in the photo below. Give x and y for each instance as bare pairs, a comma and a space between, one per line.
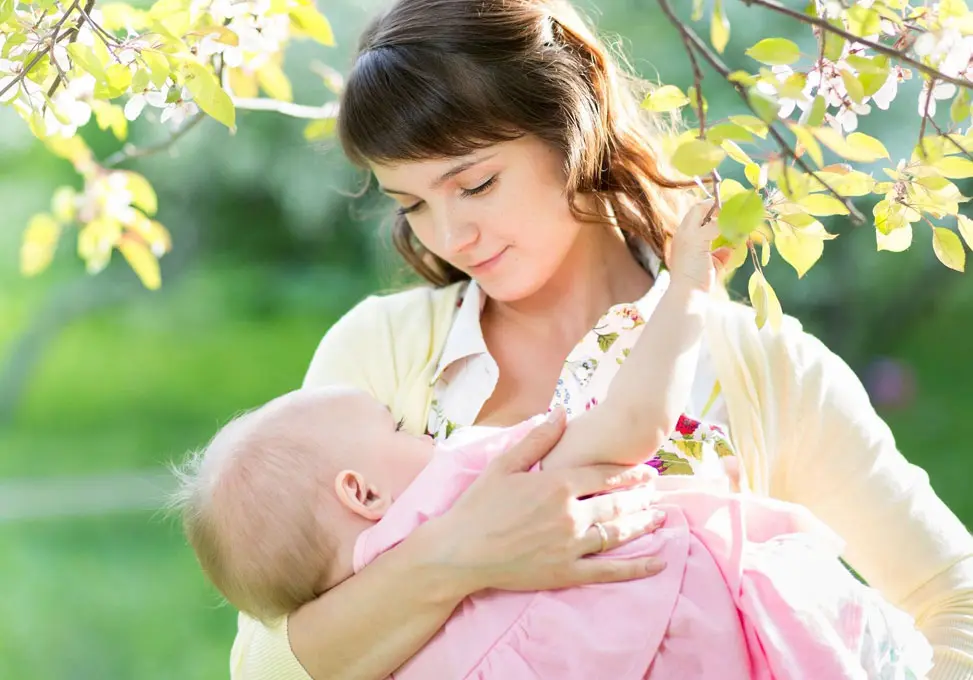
360, 497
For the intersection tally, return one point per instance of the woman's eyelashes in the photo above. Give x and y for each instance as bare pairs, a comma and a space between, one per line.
466, 193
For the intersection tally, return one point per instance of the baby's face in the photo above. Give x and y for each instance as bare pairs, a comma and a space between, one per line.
361, 434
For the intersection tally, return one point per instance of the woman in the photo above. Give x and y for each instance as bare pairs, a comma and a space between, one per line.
532, 199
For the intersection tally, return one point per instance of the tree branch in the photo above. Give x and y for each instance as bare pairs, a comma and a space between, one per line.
949, 138
891, 52
130, 152
693, 41
329, 110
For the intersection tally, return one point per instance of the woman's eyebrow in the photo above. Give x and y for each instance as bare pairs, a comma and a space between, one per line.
452, 172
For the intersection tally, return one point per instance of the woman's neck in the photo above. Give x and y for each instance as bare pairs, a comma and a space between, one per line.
599, 271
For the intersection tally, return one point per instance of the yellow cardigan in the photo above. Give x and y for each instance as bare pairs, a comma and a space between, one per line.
801, 422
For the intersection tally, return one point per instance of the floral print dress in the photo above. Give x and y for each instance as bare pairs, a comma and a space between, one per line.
467, 376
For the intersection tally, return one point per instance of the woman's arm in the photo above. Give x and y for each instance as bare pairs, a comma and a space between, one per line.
838, 458
511, 530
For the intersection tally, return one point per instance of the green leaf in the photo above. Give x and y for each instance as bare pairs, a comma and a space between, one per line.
694, 100
765, 105
158, 67
730, 188
740, 215
697, 10
719, 28
765, 302
954, 167
959, 110
308, 21
857, 147
84, 58
208, 94
863, 21
853, 86
39, 243
666, 98
775, 52
889, 217
723, 131
6, 10
814, 116
697, 157
753, 174
606, 341
140, 81
821, 205
751, 124
834, 44
948, 248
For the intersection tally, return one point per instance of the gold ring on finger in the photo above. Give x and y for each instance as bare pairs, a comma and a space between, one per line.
603, 533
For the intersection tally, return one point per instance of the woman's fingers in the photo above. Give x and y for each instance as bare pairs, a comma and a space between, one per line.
611, 506
610, 534
592, 479
537, 444
610, 571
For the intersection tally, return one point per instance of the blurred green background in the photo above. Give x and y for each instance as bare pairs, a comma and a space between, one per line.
102, 383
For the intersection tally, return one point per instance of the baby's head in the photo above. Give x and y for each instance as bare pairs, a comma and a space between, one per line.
273, 505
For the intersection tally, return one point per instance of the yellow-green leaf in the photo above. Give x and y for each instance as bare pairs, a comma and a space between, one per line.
815, 115
863, 21
755, 175
6, 10
896, 241
889, 217
730, 188
834, 44
158, 67
697, 10
800, 248
854, 86
142, 261
719, 28
722, 131
764, 302
965, 225
775, 52
765, 105
64, 204
954, 167
84, 58
320, 129
948, 248
208, 94
110, 116
697, 157
808, 143
274, 82
959, 110
666, 98
741, 215
307, 20
734, 151
751, 124
143, 195
863, 149
39, 244
821, 205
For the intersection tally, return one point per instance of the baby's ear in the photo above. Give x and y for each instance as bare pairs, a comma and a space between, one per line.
362, 498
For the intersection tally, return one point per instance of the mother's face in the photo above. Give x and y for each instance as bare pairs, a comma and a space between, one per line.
500, 214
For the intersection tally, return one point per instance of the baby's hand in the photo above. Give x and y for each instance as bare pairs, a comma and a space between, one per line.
692, 262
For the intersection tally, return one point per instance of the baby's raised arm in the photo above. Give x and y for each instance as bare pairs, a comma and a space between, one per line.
652, 387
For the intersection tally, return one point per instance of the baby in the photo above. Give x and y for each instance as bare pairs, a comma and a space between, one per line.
293, 498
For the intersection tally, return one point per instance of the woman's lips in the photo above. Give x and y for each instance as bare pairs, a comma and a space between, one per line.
488, 264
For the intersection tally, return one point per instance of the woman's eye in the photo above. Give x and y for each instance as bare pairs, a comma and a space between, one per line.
406, 209
480, 189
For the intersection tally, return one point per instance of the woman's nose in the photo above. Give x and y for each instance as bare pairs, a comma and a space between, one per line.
458, 234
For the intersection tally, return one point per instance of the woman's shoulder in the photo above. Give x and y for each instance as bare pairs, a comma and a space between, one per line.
393, 309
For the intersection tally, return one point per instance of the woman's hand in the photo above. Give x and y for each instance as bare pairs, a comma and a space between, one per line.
520, 530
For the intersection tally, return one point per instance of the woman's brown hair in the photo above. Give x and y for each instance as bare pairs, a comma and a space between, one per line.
442, 78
